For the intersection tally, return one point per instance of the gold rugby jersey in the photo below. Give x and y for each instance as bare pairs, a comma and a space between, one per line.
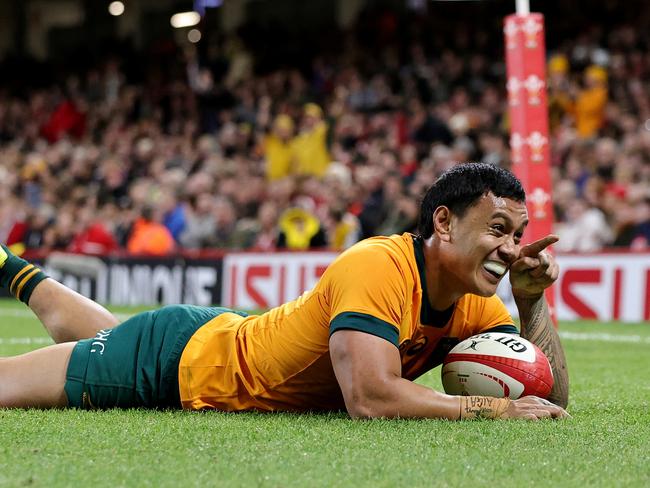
280, 360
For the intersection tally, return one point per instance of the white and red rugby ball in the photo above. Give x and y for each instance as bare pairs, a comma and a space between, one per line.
498, 365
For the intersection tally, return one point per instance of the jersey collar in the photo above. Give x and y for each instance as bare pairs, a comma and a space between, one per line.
428, 315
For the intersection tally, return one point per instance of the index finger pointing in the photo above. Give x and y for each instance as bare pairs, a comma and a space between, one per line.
534, 248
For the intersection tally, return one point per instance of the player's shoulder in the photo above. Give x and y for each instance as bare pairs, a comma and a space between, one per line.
377, 253
396, 245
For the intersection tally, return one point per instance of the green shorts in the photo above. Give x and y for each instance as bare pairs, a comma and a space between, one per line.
136, 363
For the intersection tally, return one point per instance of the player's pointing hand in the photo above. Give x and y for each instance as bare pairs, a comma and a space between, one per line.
535, 269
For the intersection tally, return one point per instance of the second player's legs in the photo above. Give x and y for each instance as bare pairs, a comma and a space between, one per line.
67, 315
35, 379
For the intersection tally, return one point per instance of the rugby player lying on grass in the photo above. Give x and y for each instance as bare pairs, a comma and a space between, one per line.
384, 312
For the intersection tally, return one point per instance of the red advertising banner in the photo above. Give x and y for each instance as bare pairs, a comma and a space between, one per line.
616, 287
257, 281
525, 54
600, 286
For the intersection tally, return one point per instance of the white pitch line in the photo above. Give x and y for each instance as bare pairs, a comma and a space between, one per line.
603, 337
26, 341
17, 312
564, 334
28, 314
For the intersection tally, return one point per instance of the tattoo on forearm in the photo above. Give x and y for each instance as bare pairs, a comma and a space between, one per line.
537, 327
474, 407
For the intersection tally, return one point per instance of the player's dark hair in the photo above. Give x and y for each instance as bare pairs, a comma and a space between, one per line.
461, 187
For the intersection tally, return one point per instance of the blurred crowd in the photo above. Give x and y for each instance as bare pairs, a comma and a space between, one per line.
223, 157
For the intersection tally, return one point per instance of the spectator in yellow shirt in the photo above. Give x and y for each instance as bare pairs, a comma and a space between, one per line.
589, 107
559, 90
277, 148
310, 153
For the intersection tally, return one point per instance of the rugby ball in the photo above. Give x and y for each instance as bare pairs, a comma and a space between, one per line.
498, 365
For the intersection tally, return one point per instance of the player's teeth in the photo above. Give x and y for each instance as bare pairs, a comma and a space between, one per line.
496, 268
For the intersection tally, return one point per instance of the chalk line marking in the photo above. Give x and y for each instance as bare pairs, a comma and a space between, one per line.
564, 334
603, 337
28, 314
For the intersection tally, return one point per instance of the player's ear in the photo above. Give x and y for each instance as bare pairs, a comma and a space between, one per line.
442, 223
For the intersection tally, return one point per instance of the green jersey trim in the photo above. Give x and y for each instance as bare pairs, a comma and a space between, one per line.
429, 316
365, 323
505, 328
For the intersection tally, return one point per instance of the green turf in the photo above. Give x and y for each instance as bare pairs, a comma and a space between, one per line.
606, 442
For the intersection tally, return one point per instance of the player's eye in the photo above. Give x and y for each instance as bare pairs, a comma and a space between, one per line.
498, 228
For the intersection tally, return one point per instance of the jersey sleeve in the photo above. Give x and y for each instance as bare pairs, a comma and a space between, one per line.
366, 291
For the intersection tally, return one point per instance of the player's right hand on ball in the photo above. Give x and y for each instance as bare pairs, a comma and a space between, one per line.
533, 408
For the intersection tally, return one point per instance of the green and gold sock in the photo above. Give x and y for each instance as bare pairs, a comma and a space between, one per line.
17, 275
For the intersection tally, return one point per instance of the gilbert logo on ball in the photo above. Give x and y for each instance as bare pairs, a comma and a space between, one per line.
498, 365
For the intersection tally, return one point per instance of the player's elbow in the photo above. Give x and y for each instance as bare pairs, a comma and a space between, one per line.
359, 411
369, 410
371, 404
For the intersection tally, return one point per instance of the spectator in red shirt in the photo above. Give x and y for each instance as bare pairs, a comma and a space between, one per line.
92, 237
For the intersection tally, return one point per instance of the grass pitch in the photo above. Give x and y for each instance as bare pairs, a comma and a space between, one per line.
606, 442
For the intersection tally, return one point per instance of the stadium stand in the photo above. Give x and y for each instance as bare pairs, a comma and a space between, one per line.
226, 151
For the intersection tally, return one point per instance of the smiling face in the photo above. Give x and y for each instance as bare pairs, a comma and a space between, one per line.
481, 245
